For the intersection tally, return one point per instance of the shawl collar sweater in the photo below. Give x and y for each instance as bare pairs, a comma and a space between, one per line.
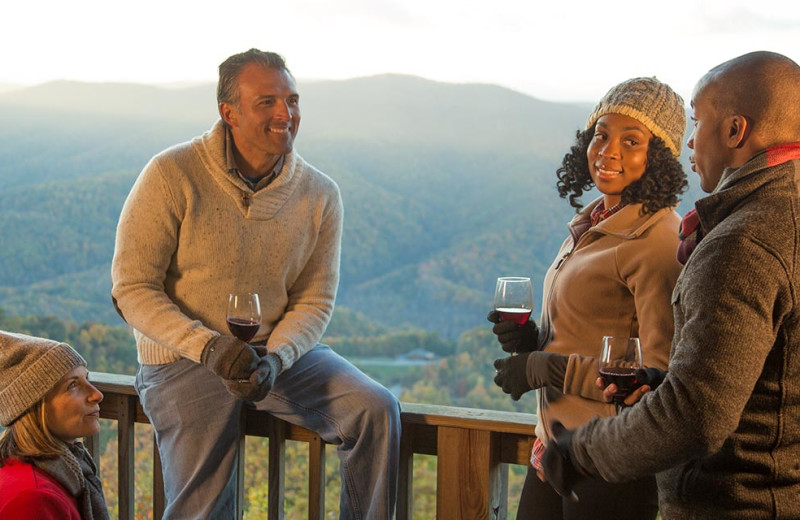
190, 233
722, 431
612, 279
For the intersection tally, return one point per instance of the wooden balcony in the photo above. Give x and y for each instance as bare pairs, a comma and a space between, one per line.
473, 450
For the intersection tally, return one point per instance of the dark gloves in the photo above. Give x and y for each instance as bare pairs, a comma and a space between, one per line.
558, 468
512, 375
260, 382
245, 374
529, 371
514, 337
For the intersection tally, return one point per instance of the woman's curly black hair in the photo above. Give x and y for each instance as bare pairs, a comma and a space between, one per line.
663, 179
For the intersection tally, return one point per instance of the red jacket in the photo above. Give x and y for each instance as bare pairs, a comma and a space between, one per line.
26, 492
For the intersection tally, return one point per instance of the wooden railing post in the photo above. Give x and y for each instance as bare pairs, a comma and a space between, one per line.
462, 481
277, 469
240, 462
316, 478
126, 415
159, 500
405, 477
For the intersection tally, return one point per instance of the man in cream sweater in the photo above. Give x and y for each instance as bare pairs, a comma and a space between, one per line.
238, 210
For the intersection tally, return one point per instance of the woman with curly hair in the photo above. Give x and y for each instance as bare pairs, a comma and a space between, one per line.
46, 404
613, 276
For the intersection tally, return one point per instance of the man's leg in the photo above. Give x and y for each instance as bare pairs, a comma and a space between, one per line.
196, 422
325, 393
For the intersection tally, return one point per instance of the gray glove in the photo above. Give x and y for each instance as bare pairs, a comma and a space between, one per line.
230, 358
260, 382
514, 337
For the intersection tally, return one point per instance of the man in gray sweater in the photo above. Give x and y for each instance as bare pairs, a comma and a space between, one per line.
722, 432
238, 210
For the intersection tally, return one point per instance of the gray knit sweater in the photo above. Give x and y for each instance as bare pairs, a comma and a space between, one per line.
723, 430
190, 233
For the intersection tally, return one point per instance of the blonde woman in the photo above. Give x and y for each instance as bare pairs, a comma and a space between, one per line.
46, 404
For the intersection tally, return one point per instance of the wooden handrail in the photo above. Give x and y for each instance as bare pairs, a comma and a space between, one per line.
473, 447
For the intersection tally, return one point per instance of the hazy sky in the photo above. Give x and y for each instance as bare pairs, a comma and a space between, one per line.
551, 49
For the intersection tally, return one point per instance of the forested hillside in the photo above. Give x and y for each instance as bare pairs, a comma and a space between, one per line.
445, 187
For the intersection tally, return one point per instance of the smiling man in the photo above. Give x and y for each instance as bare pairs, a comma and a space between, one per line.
722, 432
238, 210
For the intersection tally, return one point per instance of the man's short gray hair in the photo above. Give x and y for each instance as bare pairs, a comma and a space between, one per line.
228, 85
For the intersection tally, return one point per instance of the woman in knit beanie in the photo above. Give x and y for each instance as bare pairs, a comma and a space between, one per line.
46, 404
613, 276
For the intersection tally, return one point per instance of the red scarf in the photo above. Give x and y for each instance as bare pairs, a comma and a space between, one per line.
690, 232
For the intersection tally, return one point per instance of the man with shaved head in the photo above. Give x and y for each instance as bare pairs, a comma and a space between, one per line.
722, 432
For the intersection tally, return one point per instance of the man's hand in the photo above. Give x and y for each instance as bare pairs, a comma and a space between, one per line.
648, 379
512, 375
260, 382
514, 337
230, 358
557, 465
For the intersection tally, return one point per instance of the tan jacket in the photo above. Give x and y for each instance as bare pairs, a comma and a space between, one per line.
614, 280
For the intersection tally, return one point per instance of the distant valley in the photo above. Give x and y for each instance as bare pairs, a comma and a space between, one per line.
446, 187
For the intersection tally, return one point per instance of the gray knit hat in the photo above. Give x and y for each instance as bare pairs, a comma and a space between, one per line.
29, 368
652, 103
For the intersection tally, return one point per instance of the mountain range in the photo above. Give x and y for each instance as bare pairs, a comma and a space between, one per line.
445, 186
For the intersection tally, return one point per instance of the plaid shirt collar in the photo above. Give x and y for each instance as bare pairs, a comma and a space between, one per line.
600, 213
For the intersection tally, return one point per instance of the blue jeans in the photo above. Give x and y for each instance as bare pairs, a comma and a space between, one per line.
196, 422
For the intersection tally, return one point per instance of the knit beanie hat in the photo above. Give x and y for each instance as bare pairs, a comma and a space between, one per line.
29, 368
652, 103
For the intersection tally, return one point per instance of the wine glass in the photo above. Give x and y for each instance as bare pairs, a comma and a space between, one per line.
619, 360
243, 315
513, 299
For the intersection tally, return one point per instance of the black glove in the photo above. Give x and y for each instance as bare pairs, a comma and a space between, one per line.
230, 358
558, 468
512, 375
652, 377
514, 337
260, 382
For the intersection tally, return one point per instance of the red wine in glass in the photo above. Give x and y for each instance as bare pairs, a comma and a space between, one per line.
620, 357
519, 316
243, 315
513, 298
624, 378
244, 330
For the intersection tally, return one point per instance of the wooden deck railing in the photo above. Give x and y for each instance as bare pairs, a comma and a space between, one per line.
473, 450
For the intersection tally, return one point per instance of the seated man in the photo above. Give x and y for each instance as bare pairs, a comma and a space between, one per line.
237, 209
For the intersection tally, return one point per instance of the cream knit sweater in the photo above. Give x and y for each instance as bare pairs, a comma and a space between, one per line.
190, 233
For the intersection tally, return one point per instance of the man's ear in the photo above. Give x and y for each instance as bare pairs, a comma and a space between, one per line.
229, 114
739, 128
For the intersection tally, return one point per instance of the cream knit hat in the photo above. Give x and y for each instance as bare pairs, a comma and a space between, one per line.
29, 368
652, 103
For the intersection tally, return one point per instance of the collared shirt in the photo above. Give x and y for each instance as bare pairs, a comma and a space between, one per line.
233, 168
600, 213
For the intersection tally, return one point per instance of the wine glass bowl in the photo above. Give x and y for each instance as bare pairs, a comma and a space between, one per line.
243, 315
620, 358
513, 298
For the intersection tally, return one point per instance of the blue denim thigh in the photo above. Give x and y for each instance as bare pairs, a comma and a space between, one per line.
325, 393
196, 422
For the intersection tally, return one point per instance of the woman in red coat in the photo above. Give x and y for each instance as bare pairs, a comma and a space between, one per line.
46, 404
